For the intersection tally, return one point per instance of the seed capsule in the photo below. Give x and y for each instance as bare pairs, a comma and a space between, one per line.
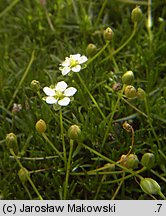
130, 91
11, 142
136, 14
148, 160
150, 186
41, 126
108, 34
91, 49
141, 94
128, 77
23, 174
131, 161
74, 132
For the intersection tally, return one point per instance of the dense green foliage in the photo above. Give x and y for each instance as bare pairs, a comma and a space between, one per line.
34, 39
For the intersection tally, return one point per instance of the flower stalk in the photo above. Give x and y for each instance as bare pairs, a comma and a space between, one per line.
68, 169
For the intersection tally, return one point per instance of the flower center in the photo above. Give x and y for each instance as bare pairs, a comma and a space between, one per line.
59, 95
73, 63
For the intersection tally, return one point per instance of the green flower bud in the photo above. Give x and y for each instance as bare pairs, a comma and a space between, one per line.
23, 174
91, 49
136, 15
141, 93
148, 160
131, 161
128, 77
74, 132
11, 142
150, 186
130, 91
108, 34
35, 85
41, 126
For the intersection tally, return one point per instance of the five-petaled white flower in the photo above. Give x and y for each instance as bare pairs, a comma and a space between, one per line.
72, 63
59, 94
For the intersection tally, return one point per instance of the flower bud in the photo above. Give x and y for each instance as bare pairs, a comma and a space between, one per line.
148, 160
11, 142
91, 49
108, 34
74, 132
129, 161
128, 77
150, 186
23, 174
41, 126
141, 93
130, 91
35, 85
136, 14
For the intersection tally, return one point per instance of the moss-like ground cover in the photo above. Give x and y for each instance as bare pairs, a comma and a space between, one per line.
116, 147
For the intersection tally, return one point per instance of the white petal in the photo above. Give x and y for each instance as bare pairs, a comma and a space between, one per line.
77, 68
66, 63
82, 59
51, 100
75, 57
70, 91
64, 102
61, 86
65, 70
48, 91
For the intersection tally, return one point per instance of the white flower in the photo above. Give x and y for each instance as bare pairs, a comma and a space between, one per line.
72, 63
59, 94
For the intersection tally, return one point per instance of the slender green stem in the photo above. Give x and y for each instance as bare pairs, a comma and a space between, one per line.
150, 122
68, 169
99, 53
119, 186
35, 158
133, 2
127, 177
27, 190
123, 45
49, 20
111, 118
75, 9
28, 177
62, 136
99, 187
127, 41
90, 95
45, 104
108, 159
34, 187
8, 8
100, 13
162, 154
135, 108
149, 22
52, 145
162, 195
22, 79
158, 175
